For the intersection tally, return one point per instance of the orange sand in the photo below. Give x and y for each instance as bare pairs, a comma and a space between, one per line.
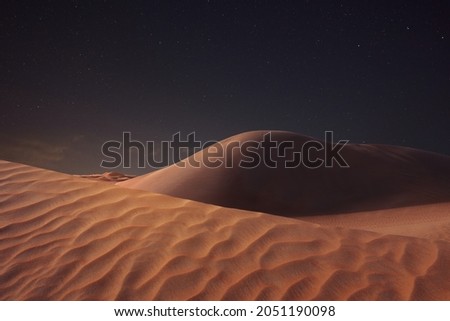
69, 238
379, 177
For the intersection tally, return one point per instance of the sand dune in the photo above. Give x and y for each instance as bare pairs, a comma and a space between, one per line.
112, 177
431, 221
69, 238
379, 177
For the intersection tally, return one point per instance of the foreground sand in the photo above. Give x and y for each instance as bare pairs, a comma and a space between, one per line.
69, 238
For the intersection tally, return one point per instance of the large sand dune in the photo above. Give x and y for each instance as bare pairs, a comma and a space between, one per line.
431, 221
379, 177
65, 237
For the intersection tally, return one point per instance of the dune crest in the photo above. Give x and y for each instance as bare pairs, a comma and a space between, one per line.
112, 177
68, 238
431, 221
378, 177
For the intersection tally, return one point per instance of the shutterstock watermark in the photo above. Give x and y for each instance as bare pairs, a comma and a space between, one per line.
268, 152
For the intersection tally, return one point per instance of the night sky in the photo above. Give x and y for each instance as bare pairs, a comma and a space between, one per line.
74, 74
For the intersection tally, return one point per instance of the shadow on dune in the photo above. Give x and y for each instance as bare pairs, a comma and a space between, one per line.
378, 177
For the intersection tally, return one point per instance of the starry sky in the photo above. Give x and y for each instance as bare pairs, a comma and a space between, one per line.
74, 74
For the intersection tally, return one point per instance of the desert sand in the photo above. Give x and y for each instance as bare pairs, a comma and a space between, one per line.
112, 177
431, 221
378, 177
69, 238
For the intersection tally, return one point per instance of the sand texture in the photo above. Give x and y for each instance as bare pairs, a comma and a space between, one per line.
70, 238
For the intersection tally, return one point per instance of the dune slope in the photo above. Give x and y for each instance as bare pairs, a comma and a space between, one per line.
378, 177
431, 221
68, 238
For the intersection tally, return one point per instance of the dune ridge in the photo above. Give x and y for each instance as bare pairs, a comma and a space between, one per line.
112, 177
378, 177
68, 238
431, 221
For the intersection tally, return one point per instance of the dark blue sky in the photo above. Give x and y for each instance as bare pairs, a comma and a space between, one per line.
74, 74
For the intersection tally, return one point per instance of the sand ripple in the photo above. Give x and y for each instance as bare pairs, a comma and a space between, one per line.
68, 238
